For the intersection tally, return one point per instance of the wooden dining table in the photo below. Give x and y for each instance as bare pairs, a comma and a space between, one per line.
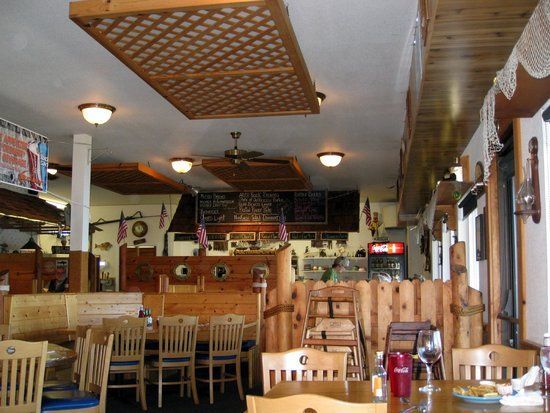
59, 356
360, 392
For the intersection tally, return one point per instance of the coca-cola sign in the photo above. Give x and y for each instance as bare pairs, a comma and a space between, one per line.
401, 370
386, 248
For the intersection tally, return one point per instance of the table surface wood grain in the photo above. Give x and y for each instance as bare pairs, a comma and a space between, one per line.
360, 392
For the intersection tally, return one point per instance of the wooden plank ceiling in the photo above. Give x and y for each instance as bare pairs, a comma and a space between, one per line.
131, 179
26, 212
259, 176
209, 58
471, 40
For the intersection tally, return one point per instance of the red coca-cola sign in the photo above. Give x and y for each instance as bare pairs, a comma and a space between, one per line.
386, 248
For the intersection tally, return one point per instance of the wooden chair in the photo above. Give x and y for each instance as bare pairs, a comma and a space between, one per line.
182, 288
303, 364
177, 345
5, 332
22, 393
128, 354
402, 337
224, 348
81, 347
310, 403
250, 350
490, 362
92, 398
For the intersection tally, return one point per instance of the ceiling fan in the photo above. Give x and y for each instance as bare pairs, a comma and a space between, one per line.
241, 157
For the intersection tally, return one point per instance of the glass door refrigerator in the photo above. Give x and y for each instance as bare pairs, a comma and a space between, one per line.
387, 261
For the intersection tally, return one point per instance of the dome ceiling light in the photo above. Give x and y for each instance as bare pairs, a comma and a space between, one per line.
96, 113
330, 159
181, 165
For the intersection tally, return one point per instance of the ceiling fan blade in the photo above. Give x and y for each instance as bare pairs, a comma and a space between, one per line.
267, 160
251, 154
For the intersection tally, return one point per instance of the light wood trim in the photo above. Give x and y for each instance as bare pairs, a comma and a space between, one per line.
520, 229
492, 218
226, 73
284, 296
309, 403
89, 9
280, 17
308, 364
465, 162
459, 278
492, 358
99, 358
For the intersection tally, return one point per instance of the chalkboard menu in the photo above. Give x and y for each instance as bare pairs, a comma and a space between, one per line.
253, 208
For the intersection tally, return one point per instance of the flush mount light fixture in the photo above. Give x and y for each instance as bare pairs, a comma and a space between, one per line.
330, 159
181, 165
96, 113
320, 97
52, 171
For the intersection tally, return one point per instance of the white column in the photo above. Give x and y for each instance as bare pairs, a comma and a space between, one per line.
80, 192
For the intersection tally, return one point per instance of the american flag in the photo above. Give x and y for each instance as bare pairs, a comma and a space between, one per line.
163, 216
366, 211
122, 228
283, 234
201, 233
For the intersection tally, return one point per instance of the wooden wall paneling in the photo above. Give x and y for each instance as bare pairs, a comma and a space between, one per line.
94, 307
519, 163
448, 327
78, 271
476, 321
492, 218
271, 345
155, 302
22, 269
384, 312
428, 304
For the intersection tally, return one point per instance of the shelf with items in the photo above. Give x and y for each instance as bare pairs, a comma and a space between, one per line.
321, 264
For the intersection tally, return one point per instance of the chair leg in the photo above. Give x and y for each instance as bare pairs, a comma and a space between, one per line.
251, 361
222, 377
142, 389
160, 387
188, 377
210, 382
137, 386
239, 379
182, 379
193, 384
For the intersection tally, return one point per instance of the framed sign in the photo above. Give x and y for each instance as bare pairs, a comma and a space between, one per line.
307, 236
242, 236
269, 236
334, 236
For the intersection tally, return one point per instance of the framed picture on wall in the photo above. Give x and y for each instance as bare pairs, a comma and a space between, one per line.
481, 253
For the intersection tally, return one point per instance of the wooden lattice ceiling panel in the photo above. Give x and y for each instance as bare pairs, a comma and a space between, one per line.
259, 176
209, 58
131, 179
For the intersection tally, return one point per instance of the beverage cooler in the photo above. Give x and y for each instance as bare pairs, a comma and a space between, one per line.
387, 259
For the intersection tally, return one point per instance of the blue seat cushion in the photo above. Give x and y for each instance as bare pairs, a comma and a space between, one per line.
59, 386
155, 359
124, 363
68, 400
247, 345
205, 357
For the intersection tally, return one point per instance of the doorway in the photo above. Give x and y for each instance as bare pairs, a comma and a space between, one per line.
509, 283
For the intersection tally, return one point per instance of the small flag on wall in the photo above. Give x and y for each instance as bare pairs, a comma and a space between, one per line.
283, 234
163, 216
201, 233
122, 229
366, 211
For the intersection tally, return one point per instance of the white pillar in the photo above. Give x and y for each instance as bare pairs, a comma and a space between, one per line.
80, 191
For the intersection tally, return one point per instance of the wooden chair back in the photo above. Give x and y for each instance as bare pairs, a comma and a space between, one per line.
402, 336
178, 336
81, 347
129, 336
99, 360
226, 335
310, 403
491, 362
182, 288
5, 332
303, 364
22, 365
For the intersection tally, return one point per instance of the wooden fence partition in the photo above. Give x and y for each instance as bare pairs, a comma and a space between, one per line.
381, 303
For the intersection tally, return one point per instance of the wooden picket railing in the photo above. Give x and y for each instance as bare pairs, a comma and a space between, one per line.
381, 303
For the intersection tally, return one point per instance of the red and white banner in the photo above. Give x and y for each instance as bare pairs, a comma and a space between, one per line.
23, 157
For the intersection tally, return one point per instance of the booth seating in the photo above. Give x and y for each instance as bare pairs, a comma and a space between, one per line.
92, 397
224, 348
303, 364
128, 356
20, 392
177, 343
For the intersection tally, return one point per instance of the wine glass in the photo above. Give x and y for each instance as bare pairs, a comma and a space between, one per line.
429, 350
545, 362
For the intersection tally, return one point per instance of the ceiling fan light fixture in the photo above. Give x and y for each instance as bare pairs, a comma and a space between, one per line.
181, 165
96, 113
320, 97
330, 159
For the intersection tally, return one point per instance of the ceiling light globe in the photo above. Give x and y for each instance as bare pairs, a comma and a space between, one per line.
96, 113
52, 171
181, 165
330, 159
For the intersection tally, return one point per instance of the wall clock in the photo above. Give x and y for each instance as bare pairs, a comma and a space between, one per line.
139, 229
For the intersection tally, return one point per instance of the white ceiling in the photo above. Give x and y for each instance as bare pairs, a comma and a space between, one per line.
357, 51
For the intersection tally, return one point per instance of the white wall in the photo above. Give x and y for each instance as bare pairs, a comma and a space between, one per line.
536, 241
